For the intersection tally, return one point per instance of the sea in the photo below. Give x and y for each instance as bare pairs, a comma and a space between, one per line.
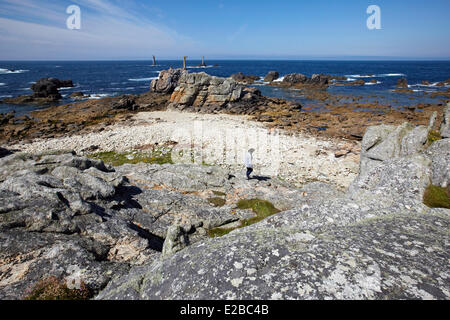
101, 79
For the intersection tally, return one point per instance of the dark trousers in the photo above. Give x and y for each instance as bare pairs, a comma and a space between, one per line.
249, 172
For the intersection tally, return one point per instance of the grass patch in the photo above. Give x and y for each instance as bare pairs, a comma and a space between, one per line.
219, 194
437, 197
53, 288
434, 136
156, 156
261, 208
217, 202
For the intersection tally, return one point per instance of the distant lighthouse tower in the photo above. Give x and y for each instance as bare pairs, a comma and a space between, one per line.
203, 62
154, 61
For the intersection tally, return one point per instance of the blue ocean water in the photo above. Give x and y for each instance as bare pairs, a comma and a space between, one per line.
111, 78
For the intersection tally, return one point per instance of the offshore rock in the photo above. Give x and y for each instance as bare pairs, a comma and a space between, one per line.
44, 91
271, 76
245, 79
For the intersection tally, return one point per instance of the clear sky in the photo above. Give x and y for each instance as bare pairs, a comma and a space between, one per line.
224, 29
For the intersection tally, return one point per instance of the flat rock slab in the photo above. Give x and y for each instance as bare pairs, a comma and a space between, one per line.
408, 260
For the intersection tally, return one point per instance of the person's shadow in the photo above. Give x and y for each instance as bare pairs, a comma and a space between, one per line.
260, 178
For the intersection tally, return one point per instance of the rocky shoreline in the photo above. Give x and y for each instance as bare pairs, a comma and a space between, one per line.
333, 115
143, 231
368, 219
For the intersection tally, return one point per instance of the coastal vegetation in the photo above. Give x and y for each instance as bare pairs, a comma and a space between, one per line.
437, 197
262, 208
217, 201
434, 136
53, 288
156, 156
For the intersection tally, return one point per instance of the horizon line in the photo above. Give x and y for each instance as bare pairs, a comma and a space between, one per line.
237, 59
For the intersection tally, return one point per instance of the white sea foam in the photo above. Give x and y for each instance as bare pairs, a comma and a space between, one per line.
391, 75
371, 84
6, 96
376, 75
68, 88
279, 79
7, 71
361, 76
2, 84
199, 67
424, 85
97, 96
143, 79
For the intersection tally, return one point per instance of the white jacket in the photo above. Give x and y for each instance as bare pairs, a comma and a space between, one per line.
249, 160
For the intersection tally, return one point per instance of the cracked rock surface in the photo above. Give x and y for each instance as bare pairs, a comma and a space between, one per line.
61, 213
376, 241
140, 231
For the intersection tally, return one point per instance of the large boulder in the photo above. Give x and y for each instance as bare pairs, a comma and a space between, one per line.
127, 102
167, 81
200, 90
271, 76
445, 126
439, 153
384, 142
386, 258
294, 78
242, 78
298, 80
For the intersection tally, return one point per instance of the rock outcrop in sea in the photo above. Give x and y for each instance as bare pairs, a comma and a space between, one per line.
271, 76
298, 80
200, 92
245, 79
44, 91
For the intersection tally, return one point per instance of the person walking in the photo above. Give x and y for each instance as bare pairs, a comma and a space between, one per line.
249, 162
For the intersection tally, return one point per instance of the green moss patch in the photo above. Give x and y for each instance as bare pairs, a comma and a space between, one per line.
156, 156
217, 202
53, 288
434, 136
437, 197
261, 208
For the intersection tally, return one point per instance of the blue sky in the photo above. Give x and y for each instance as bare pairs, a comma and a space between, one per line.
222, 29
